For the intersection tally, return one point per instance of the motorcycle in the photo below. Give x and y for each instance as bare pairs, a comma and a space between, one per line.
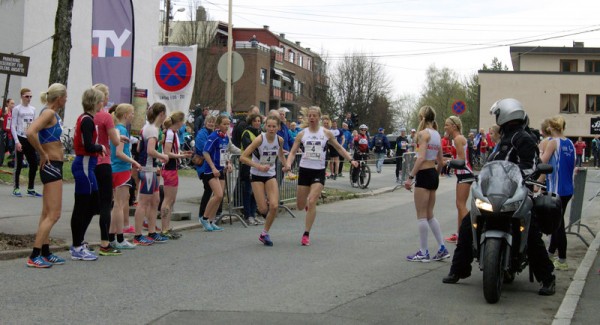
187, 145
501, 213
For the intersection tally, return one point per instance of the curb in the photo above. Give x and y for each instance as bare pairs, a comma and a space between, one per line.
568, 307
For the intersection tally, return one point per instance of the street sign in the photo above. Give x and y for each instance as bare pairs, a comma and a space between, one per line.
459, 107
14, 64
173, 71
237, 67
595, 125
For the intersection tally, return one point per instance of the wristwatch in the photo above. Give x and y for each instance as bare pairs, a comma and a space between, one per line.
411, 177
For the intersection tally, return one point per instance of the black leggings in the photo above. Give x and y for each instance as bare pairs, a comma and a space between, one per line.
105, 195
86, 206
32, 160
558, 240
398, 166
206, 196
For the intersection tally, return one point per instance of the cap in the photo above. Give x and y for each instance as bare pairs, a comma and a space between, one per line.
402, 129
284, 109
413, 130
380, 130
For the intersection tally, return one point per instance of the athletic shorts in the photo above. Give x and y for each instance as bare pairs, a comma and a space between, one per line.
209, 176
85, 178
51, 172
148, 182
332, 152
307, 176
121, 179
170, 177
465, 178
427, 179
263, 179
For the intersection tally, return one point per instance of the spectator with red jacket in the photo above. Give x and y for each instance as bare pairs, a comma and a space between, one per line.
579, 147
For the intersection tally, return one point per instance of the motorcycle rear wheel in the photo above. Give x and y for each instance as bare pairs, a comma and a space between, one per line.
493, 273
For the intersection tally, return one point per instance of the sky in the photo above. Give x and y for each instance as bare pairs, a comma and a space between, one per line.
408, 36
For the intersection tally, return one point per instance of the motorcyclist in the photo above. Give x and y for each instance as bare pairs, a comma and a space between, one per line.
516, 145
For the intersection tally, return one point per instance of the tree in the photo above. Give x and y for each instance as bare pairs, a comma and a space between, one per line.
361, 86
496, 65
61, 47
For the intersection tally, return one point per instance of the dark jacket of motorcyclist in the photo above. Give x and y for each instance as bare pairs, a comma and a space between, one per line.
517, 146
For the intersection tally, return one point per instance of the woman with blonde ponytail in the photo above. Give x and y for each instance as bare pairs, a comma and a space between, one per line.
169, 171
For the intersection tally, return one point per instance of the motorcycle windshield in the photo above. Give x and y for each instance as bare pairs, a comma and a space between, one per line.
500, 178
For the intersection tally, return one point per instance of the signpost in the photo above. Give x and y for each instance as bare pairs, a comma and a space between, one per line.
173, 71
12, 64
459, 107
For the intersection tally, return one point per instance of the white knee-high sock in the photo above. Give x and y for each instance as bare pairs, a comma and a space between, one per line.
423, 231
435, 229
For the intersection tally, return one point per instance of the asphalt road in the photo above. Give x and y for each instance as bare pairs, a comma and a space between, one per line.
353, 273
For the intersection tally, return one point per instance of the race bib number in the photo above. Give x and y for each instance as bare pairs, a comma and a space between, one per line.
224, 157
403, 144
268, 158
313, 150
26, 125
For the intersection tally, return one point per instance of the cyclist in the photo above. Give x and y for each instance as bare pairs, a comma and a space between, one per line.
361, 150
311, 175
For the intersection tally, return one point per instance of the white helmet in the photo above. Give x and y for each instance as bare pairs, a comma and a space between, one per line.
362, 126
508, 109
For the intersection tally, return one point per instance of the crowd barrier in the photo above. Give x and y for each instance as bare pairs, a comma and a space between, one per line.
577, 206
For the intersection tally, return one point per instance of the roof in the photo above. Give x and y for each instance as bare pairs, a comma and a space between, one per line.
517, 51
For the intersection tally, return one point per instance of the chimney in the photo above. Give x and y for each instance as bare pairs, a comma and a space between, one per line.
282, 35
297, 43
578, 44
308, 48
266, 27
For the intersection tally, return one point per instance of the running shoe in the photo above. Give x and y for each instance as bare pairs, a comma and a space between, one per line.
206, 224
305, 240
560, 266
452, 239
145, 225
419, 257
265, 239
143, 240
54, 259
215, 227
260, 220
129, 230
252, 221
109, 251
441, 254
83, 254
158, 238
87, 246
123, 245
17, 192
38, 262
171, 234
33, 193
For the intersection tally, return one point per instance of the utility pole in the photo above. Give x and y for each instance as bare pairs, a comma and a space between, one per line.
167, 17
228, 94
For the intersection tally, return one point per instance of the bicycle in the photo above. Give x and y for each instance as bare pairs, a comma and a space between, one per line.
364, 175
67, 141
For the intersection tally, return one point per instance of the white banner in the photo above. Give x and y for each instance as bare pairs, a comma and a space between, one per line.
174, 75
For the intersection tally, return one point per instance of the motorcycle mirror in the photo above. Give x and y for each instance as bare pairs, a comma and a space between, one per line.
457, 164
544, 168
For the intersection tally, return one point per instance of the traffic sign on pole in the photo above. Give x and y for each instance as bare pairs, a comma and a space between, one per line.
459, 107
173, 71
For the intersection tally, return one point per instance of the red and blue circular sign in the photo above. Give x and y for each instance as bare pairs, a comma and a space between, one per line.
459, 107
173, 71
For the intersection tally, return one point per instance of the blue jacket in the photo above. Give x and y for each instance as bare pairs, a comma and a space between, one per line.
287, 140
200, 141
215, 144
386, 143
347, 138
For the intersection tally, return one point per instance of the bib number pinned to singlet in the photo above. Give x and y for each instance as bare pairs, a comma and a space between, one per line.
313, 150
223, 157
268, 158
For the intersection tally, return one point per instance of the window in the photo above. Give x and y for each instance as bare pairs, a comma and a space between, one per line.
568, 65
291, 56
263, 76
592, 66
262, 107
569, 103
300, 61
297, 87
592, 104
309, 64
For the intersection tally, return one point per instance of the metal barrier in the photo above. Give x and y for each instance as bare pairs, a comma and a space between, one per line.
408, 162
577, 205
234, 191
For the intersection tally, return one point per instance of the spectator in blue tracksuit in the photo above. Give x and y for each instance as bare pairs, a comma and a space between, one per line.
283, 132
201, 138
380, 145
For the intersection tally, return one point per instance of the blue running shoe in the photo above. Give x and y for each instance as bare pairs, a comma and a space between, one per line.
265, 239
54, 259
38, 262
215, 227
83, 254
142, 240
17, 192
441, 254
206, 224
33, 193
419, 257
158, 238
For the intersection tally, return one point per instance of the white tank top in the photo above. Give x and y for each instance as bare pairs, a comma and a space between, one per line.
467, 161
434, 145
315, 145
268, 156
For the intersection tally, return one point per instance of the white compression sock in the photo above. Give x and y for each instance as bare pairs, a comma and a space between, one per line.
423, 232
435, 229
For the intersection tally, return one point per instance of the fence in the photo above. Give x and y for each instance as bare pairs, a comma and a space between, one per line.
234, 191
577, 205
408, 162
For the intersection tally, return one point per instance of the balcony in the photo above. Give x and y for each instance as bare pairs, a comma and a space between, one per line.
288, 96
252, 45
275, 93
276, 83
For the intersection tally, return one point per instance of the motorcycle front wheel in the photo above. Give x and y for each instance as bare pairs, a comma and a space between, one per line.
493, 273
